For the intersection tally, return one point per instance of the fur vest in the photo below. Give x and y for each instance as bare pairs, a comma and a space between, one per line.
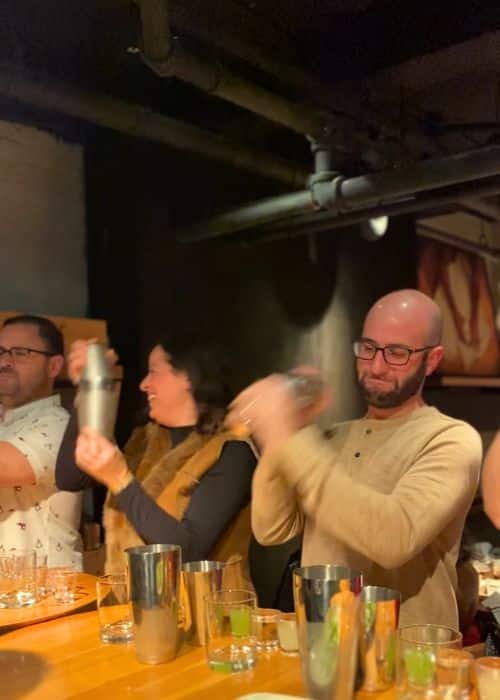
169, 475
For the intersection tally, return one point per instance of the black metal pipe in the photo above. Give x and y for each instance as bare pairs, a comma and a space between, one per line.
324, 222
374, 190
359, 194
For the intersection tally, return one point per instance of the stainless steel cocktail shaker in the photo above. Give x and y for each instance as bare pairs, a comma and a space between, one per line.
98, 393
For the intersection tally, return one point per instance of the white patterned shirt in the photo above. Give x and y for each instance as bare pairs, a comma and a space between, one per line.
39, 516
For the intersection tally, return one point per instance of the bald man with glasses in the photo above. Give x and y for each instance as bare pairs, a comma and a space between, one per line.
387, 493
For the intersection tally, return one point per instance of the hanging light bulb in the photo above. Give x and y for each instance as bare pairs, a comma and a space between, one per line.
374, 229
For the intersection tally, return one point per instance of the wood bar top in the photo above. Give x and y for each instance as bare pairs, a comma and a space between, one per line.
65, 658
48, 608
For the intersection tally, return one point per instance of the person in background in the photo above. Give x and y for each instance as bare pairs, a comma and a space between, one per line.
33, 514
490, 482
182, 478
386, 494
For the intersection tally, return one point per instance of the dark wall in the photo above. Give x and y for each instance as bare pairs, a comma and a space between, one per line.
261, 299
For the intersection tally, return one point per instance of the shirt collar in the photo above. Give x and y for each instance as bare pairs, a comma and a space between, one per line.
20, 412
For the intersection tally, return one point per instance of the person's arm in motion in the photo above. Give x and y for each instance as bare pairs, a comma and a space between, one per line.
437, 488
223, 491
490, 482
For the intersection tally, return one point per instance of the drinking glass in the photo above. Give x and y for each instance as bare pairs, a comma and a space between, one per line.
379, 622
287, 634
230, 644
62, 581
42, 584
113, 609
265, 628
424, 663
17, 579
487, 669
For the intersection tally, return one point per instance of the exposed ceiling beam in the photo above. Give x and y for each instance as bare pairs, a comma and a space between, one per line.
137, 121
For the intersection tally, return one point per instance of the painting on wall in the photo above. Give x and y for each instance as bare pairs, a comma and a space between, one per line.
458, 282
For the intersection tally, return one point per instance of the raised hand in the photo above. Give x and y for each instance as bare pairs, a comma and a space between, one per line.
77, 358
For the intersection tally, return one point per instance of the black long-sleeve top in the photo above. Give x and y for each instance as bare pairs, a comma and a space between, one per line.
222, 492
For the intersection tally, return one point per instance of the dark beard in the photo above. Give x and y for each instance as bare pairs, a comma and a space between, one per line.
397, 396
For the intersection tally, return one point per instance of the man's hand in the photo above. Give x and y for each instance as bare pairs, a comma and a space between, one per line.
102, 460
77, 358
269, 411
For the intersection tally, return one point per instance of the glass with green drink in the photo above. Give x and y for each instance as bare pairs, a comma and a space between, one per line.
425, 666
230, 642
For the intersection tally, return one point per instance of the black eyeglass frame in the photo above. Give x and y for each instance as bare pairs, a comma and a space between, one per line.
11, 352
383, 348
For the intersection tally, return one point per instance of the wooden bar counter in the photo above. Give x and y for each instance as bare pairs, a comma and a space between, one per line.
64, 658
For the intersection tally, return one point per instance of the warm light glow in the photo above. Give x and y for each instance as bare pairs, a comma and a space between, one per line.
373, 229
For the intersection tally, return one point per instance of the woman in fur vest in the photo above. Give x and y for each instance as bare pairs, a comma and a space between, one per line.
182, 478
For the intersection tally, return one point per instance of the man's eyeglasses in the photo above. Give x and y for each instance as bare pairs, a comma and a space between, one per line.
393, 354
19, 354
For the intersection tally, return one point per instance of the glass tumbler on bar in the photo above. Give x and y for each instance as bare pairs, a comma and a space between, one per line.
287, 633
113, 608
429, 660
42, 585
62, 580
265, 628
230, 643
487, 671
17, 579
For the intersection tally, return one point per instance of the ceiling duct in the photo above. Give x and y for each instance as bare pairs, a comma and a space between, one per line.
361, 198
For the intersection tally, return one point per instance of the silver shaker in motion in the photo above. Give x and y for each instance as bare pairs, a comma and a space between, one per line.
98, 393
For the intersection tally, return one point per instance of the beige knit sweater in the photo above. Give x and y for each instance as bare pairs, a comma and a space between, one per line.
388, 497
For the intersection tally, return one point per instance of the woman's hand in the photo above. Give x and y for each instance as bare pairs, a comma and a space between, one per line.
102, 460
77, 358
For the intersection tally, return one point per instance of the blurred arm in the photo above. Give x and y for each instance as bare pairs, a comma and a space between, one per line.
491, 482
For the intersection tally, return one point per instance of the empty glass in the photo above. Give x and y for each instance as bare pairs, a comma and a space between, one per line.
113, 609
42, 585
265, 628
62, 582
230, 643
424, 663
287, 634
17, 579
487, 669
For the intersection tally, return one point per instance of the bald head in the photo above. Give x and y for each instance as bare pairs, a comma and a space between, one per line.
409, 316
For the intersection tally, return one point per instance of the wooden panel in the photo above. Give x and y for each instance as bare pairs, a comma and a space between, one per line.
73, 329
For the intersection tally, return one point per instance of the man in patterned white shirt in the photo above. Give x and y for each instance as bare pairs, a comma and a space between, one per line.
34, 514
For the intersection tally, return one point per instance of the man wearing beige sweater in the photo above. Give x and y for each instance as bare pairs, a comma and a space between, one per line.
386, 494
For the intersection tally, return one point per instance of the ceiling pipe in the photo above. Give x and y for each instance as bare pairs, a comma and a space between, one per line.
366, 193
165, 55
211, 29
439, 201
137, 121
